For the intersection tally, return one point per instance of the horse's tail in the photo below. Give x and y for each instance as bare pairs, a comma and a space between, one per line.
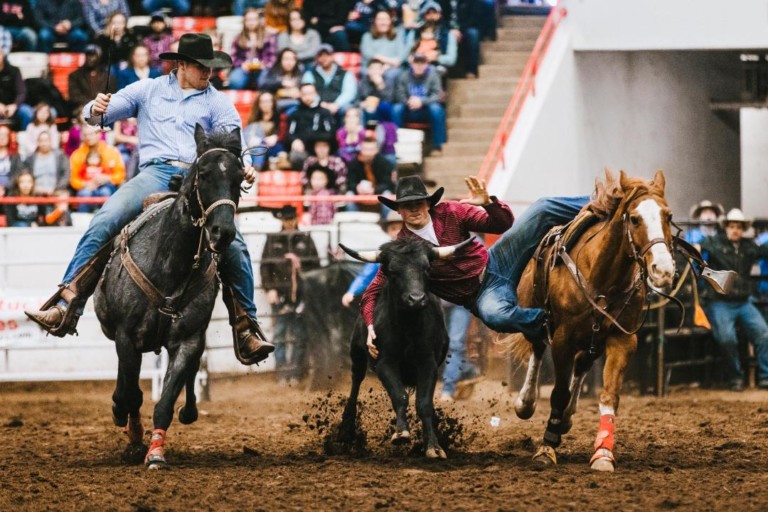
517, 345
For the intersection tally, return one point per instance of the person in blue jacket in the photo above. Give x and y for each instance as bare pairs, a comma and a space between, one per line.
391, 225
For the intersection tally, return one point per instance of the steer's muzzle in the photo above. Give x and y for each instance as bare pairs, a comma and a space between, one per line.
416, 300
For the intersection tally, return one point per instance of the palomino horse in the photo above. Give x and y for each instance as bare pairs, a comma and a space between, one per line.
159, 288
594, 293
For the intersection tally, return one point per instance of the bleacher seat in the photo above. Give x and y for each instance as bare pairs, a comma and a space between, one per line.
243, 101
344, 217
409, 146
350, 61
280, 183
62, 65
139, 21
183, 24
228, 28
31, 64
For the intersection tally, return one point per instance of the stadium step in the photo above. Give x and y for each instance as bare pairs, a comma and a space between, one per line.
475, 123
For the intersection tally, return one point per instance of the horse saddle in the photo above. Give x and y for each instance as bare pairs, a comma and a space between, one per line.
157, 197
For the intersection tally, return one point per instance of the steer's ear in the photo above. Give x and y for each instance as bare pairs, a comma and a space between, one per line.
369, 256
444, 253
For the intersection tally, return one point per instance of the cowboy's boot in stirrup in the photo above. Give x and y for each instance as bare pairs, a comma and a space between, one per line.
251, 346
60, 320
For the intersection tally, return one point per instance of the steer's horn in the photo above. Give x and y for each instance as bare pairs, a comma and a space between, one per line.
443, 253
369, 256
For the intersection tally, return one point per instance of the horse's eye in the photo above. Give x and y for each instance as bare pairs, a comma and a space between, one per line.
635, 220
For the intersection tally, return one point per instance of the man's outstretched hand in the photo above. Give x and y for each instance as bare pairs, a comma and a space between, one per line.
478, 194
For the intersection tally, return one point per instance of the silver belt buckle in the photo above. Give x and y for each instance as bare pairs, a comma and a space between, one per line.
178, 163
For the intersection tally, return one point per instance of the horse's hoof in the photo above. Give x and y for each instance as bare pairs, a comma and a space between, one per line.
157, 466
154, 462
403, 437
524, 410
603, 460
187, 417
134, 453
436, 453
546, 455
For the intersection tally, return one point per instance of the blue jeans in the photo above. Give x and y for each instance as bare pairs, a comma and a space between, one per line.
293, 323
725, 317
239, 6
76, 39
471, 47
105, 190
25, 37
235, 267
434, 114
456, 366
240, 79
178, 7
496, 302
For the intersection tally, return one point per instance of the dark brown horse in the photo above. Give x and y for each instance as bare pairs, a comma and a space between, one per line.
595, 293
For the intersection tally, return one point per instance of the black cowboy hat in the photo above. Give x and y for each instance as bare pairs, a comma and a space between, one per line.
287, 212
411, 188
199, 48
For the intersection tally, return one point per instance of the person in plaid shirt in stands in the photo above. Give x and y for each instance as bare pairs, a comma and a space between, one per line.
320, 212
482, 280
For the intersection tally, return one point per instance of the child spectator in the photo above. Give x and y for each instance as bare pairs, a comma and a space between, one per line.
159, 41
262, 128
57, 214
323, 159
22, 215
253, 50
48, 165
320, 212
359, 20
350, 136
304, 41
283, 80
97, 168
42, 122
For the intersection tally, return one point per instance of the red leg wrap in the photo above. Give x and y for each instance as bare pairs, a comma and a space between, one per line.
156, 448
605, 437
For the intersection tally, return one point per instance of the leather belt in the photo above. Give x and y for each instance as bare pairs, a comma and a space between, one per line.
178, 163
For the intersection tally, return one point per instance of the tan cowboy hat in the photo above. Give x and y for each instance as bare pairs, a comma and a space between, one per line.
704, 205
735, 215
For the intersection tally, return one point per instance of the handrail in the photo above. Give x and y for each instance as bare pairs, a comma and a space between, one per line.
248, 199
525, 87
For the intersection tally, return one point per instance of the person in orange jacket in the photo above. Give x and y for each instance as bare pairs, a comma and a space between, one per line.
97, 168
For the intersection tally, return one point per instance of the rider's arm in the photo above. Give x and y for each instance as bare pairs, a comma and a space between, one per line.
363, 279
495, 217
122, 105
369, 298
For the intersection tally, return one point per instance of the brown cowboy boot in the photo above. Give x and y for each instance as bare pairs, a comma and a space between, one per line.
251, 346
59, 320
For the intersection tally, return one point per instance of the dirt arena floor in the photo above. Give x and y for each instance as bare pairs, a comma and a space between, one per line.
258, 446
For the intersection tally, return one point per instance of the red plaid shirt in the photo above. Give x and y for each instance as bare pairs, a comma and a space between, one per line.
456, 280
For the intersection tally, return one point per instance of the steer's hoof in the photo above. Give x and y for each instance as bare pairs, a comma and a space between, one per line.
435, 453
403, 437
546, 455
524, 410
187, 416
603, 460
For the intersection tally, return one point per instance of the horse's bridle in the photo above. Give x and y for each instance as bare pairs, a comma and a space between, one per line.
205, 212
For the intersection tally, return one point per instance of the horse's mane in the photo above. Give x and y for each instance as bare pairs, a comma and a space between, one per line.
609, 193
225, 140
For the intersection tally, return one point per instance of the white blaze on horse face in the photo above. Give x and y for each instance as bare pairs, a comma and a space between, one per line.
223, 167
662, 266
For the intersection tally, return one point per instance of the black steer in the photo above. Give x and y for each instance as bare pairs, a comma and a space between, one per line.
410, 336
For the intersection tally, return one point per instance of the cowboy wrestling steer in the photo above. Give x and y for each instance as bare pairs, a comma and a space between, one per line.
410, 337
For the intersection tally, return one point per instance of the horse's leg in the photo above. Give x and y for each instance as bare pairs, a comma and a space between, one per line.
128, 397
525, 405
562, 356
187, 413
425, 408
184, 356
359, 358
618, 351
582, 366
390, 377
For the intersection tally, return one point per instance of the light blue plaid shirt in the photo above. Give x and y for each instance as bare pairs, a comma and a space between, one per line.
166, 119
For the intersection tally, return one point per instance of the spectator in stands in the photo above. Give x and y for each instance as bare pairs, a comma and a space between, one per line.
158, 41
417, 99
18, 18
475, 19
336, 87
22, 215
98, 12
370, 173
309, 118
61, 21
13, 93
90, 78
304, 41
96, 168
459, 373
254, 50
6, 41
706, 213
434, 39
384, 43
127, 141
57, 214
385, 133
320, 212
729, 250
42, 122
239, 6
328, 17
263, 128
277, 13
286, 255
49, 165
350, 136
323, 158
376, 92
138, 67
391, 224
10, 164
177, 7
117, 41
359, 20
283, 80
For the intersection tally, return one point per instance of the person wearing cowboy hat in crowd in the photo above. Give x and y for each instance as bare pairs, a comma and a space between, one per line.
706, 213
167, 109
482, 280
286, 255
729, 250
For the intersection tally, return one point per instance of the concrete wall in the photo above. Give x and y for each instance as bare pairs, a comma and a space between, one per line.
754, 162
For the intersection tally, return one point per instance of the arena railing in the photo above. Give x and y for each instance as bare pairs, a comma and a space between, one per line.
525, 88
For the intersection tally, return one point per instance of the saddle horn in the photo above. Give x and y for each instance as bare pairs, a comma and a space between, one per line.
443, 253
368, 256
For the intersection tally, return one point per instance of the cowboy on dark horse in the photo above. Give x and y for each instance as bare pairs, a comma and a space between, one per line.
168, 108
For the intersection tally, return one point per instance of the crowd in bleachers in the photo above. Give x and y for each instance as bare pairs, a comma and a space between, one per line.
324, 84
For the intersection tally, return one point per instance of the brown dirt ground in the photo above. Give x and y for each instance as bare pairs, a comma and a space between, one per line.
258, 446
